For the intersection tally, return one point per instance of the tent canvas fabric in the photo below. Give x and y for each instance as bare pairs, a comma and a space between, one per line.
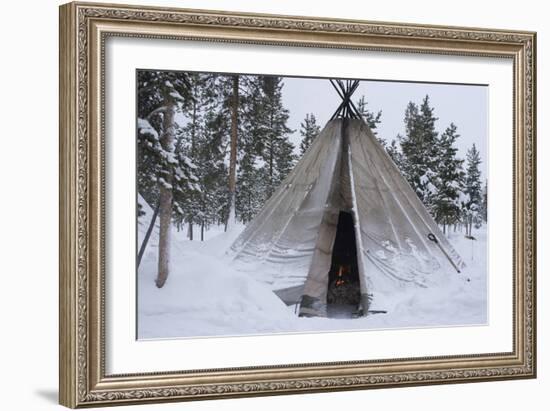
289, 243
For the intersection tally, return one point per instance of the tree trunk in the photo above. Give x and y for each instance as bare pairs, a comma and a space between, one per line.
193, 144
202, 231
233, 153
166, 198
271, 155
193, 129
190, 231
148, 234
270, 170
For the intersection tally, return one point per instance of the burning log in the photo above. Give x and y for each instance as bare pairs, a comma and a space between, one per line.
343, 290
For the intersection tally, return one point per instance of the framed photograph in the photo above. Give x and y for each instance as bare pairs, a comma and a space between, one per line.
259, 204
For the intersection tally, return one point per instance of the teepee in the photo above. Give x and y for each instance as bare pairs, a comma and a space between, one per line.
344, 227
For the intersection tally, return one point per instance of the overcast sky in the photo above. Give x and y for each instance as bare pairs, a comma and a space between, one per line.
464, 105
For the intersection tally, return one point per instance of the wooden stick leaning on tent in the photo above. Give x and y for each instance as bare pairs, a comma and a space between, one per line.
433, 238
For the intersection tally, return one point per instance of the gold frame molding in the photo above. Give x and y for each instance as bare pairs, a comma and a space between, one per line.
83, 30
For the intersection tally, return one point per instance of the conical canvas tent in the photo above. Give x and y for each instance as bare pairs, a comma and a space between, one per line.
344, 219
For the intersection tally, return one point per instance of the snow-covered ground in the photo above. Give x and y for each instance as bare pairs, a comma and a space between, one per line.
204, 296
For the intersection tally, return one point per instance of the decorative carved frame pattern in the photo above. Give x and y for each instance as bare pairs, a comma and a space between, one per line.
83, 30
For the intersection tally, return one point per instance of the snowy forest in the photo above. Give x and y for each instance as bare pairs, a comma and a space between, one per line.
212, 148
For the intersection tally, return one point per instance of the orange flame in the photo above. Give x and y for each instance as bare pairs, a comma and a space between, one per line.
340, 280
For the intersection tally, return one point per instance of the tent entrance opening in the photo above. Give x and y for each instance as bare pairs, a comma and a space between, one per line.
344, 294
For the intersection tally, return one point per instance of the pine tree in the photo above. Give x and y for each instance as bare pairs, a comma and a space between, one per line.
251, 190
224, 133
419, 148
147, 166
225, 128
410, 145
308, 130
188, 207
394, 151
484, 203
214, 168
472, 204
231, 219
370, 118
212, 172
275, 147
449, 180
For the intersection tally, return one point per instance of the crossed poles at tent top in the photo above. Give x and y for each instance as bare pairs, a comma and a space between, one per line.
346, 109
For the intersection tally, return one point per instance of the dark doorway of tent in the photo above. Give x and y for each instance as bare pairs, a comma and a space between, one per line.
343, 294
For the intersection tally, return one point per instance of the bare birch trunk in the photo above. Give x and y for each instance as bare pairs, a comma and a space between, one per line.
166, 198
233, 153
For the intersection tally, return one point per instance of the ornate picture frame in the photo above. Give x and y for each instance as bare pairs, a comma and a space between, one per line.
84, 29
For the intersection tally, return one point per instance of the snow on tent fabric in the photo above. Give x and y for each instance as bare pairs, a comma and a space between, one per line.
291, 242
